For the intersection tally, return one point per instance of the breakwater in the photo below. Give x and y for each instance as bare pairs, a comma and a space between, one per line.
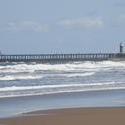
61, 57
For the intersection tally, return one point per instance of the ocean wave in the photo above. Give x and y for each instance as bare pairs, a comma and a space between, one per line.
84, 66
39, 76
15, 88
60, 91
79, 74
57, 78
4, 78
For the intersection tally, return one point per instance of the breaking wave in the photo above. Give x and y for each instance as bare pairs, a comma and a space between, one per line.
85, 66
60, 91
4, 78
22, 79
15, 88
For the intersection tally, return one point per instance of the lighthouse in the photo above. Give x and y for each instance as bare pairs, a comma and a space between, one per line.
121, 47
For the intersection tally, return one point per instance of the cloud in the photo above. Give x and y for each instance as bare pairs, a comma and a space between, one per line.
120, 4
122, 18
85, 22
27, 26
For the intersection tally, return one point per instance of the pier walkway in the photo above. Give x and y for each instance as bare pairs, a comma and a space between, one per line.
59, 57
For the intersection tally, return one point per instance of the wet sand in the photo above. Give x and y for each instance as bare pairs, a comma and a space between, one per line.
71, 116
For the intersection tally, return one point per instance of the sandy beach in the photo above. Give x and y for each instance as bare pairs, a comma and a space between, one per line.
71, 116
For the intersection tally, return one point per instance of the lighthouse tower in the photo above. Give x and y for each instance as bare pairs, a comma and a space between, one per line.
121, 47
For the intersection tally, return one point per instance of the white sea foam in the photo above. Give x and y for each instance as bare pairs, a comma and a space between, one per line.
71, 75
15, 88
70, 72
3, 78
61, 91
28, 77
85, 66
80, 74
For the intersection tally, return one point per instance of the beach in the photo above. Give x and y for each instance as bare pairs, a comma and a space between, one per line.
62, 62
70, 116
90, 93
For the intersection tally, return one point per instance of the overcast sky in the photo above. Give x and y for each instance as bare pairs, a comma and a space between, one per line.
56, 26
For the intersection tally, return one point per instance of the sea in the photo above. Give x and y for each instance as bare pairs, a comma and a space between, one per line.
33, 86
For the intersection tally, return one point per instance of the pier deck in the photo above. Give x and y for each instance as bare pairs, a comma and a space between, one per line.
60, 57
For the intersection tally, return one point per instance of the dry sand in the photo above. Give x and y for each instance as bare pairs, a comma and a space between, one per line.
73, 116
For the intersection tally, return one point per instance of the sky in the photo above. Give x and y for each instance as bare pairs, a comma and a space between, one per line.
61, 26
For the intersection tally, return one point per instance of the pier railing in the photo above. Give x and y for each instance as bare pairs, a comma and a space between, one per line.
57, 57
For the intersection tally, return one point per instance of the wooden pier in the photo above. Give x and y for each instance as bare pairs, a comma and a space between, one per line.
50, 58
60, 57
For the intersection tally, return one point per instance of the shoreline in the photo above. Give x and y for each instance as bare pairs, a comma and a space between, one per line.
70, 116
11, 107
